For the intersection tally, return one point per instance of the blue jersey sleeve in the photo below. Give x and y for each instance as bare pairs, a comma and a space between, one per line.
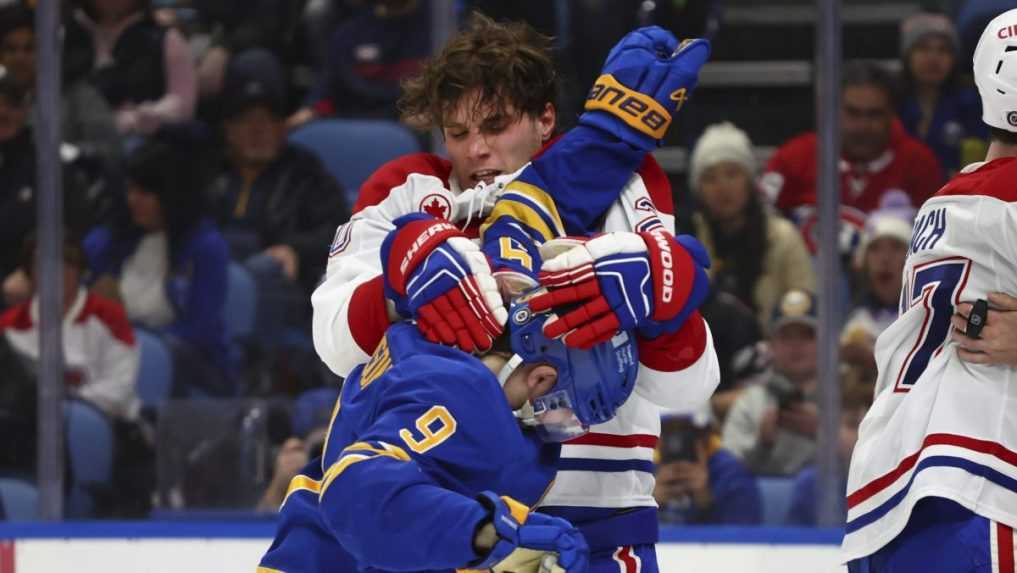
564, 191
401, 497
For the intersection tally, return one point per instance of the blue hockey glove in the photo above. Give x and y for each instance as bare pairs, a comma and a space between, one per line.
436, 275
646, 79
623, 281
525, 538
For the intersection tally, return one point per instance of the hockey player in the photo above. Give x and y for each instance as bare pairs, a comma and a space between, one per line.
425, 468
933, 479
491, 92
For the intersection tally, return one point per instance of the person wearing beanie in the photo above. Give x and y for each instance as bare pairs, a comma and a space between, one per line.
936, 107
756, 254
878, 265
931, 482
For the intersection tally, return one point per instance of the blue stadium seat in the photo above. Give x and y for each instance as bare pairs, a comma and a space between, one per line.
89, 436
155, 372
241, 302
352, 149
20, 500
313, 409
777, 493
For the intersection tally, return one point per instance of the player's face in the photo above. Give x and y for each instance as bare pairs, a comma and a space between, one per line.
884, 263
866, 117
17, 55
725, 189
255, 136
483, 143
528, 382
931, 60
794, 351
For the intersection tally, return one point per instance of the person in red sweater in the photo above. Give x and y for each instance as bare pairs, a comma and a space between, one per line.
877, 155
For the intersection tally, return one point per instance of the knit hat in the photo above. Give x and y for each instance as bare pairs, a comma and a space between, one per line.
894, 218
922, 24
721, 142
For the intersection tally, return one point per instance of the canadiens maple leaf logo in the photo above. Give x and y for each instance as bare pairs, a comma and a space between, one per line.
437, 206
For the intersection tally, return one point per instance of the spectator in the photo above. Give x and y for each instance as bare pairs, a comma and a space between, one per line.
880, 266
17, 191
233, 26
312, 412
741, 352
275, 202
168, 264
936, 108
144, 71
100, 352
856, 397
698, 481
86, 120
877, 155
370, 53
772, 426
101, 367
756, 254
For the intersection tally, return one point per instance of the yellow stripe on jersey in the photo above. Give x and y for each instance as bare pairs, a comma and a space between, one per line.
349, 459
380, 362
339, 467
328, 433
385, 450
262, 569
301, 483
547, 221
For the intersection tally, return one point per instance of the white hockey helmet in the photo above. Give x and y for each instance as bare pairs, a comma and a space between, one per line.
995, 69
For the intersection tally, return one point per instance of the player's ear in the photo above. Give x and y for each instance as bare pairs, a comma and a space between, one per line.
546, 121
540, 379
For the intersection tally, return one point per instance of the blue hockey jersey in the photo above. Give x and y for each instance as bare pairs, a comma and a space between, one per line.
416, 434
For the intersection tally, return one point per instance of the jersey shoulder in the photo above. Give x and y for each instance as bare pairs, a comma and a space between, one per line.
657, 184
394, 173
993, 179
416, 371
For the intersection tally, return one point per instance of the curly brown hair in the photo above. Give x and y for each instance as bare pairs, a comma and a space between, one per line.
508, 63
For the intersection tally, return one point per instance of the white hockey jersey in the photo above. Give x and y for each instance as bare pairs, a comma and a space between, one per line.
612, 466
940, 426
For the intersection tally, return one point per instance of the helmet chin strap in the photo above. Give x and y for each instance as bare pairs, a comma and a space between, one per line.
525, 412
508, 369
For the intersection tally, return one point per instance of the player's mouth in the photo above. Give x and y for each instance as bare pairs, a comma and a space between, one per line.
485, 176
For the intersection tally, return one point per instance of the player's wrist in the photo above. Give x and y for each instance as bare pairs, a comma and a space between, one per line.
615, 127
484, 538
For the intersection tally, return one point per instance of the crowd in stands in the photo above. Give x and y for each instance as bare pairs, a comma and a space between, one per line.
178, 170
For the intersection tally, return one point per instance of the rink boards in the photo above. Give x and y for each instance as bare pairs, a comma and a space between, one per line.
234, 547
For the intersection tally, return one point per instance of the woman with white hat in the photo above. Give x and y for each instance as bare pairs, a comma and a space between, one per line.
756, 254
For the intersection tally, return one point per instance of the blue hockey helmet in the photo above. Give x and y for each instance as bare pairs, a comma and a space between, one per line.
591, 386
